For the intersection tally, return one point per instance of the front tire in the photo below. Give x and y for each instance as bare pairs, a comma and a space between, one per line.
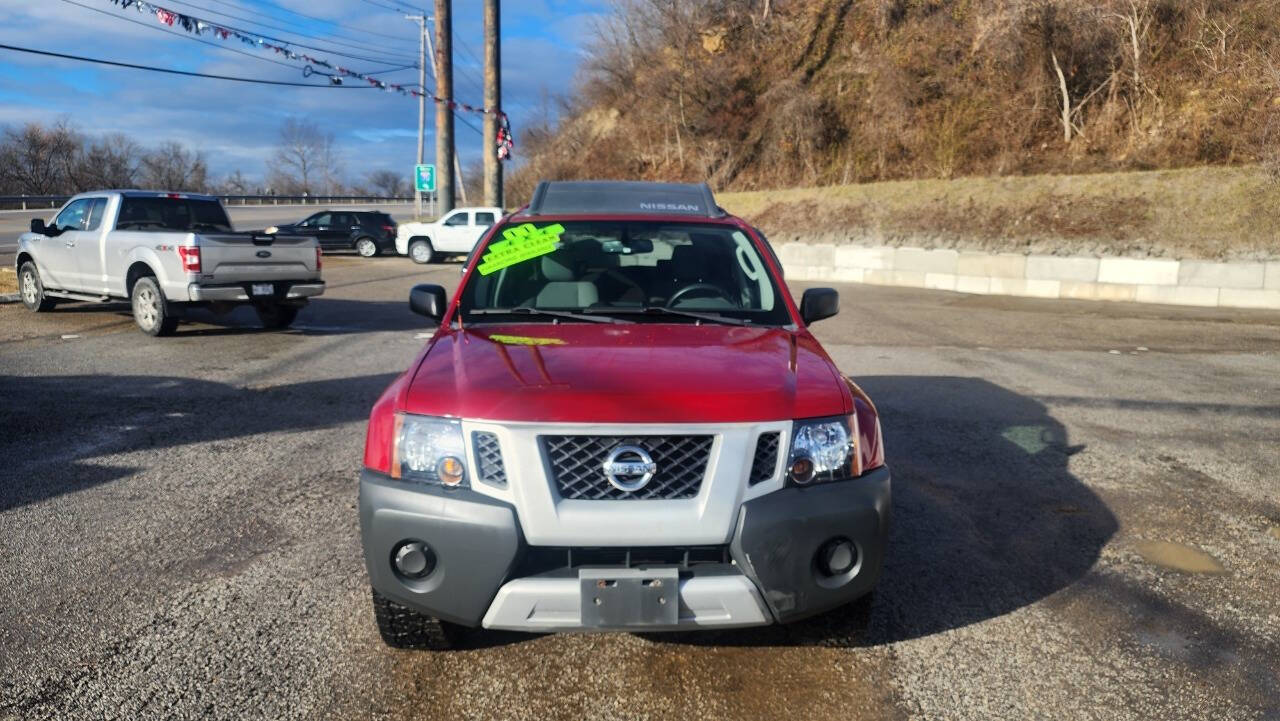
366, 248
32, 290
403, 627
150, 311
421, 251
276, 316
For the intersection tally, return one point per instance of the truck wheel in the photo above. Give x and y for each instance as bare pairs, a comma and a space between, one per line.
402, 627
366, 247
149, 310
32, 289
420, 251
276, 315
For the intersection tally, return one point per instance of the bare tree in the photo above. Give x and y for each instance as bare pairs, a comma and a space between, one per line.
388, 183
1137, 17
235, 184
112, 161
173, 167
37, 160
305, 161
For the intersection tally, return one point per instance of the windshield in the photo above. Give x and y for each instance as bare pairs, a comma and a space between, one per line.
169, 214
640, 271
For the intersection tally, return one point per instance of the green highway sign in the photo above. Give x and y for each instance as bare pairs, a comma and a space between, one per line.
424, 178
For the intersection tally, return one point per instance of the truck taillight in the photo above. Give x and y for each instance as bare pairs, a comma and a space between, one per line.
190, 256
319, 253
391, 229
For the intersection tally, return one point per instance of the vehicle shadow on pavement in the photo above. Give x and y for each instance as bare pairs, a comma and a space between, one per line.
323, 316
63, 423
987, 517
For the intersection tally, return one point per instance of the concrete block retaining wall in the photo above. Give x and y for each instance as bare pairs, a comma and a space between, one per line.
1156, 280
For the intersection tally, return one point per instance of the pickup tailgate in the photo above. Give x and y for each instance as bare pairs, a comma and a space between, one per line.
244, 257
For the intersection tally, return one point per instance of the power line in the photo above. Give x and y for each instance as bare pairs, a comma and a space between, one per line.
397, 8
458, 116
308, 17
171, 71
260, 36
398, 58
153, 26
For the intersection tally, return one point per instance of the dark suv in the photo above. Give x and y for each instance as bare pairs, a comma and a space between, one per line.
366, 232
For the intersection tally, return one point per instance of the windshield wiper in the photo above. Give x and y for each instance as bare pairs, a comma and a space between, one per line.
526, 310
663, 310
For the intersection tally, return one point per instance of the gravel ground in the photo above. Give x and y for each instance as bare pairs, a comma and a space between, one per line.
1086, 525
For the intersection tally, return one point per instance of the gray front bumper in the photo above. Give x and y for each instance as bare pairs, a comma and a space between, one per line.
477, 543
238, 293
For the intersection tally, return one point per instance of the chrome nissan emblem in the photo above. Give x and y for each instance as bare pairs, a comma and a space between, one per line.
629, 468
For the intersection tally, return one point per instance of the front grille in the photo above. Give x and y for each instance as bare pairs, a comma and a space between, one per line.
563, 560
577, 466
766, 459
489, 466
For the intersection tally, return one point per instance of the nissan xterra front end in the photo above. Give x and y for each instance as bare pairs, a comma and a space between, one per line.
622, 423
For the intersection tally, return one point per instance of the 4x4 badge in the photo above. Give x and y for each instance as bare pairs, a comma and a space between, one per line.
629, 468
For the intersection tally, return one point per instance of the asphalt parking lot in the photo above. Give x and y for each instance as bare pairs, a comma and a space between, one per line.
1086, 525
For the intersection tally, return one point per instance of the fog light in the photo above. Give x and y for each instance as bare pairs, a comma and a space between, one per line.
450, 471
837, 557
413, 559
801, 470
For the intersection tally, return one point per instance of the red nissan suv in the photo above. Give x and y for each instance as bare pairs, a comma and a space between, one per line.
621, 423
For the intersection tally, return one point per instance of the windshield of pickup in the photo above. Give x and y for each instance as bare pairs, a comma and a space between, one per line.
170, 214
634, 271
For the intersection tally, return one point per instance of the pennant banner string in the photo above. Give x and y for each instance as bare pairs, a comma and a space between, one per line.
199, 26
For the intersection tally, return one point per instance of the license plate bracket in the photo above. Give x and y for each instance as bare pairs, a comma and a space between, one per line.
629, 597
262, 289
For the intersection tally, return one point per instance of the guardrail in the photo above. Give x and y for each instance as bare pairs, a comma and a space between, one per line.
38, 202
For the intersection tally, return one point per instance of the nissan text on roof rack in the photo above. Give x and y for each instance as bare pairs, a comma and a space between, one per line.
622, 423
164, 252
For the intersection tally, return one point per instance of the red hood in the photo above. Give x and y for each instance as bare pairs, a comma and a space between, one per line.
640, 373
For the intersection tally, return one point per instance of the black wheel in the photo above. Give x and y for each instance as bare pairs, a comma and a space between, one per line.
32, 290
402, 627
149, 309
420, 251
276, 315
367, 248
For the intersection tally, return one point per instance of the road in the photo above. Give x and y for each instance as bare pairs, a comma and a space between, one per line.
248, 217
1086, 525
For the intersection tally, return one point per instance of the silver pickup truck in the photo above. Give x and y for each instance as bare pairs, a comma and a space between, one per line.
164, 252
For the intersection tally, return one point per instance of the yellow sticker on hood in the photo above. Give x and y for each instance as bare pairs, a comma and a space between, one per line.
523, 340
519, 244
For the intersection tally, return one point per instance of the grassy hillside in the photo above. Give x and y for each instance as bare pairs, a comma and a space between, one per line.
754, 94
1209, 213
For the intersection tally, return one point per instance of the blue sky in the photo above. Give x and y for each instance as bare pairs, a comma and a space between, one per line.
236, 124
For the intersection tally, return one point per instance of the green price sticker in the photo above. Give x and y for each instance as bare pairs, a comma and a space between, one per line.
519, 244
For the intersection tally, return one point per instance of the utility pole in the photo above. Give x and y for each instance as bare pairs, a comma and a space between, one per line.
457, 165
422, 104
493, 102
444, 114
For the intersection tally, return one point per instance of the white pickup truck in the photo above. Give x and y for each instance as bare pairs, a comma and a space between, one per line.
454, 233
164, 252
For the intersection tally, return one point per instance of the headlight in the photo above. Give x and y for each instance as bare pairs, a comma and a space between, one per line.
272, 230
822, 450
430, 450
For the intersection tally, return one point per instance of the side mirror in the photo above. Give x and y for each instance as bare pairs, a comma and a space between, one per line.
428, 299
819, 303
37, 226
